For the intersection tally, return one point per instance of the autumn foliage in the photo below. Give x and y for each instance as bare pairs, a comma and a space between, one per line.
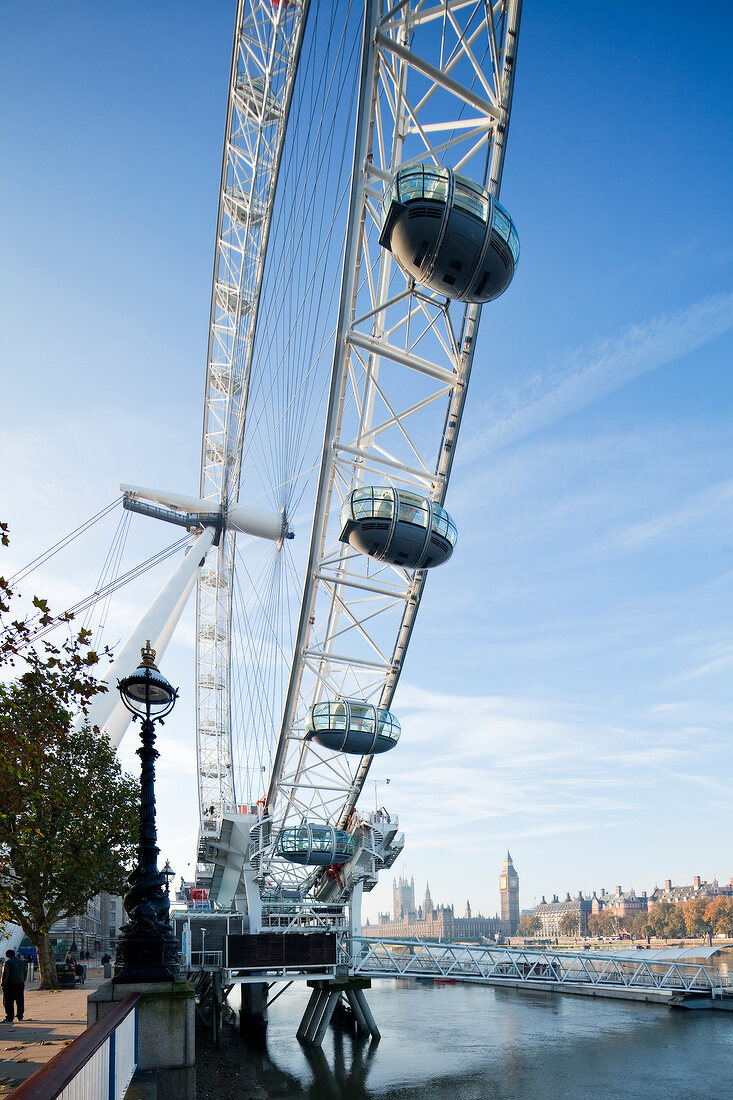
68, 815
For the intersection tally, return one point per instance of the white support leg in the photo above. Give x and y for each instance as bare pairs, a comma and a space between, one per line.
367, 1013
359, 1016
355, 921
310, 1009
254, 899
156, 625
325, 1020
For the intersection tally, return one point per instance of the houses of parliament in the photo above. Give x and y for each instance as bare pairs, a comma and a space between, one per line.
440, 922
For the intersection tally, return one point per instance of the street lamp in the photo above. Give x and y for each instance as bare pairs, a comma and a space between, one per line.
169, 873
147, 950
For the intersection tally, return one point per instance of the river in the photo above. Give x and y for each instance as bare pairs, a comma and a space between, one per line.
469, 1042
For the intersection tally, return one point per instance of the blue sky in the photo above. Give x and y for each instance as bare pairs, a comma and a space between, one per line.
567, 691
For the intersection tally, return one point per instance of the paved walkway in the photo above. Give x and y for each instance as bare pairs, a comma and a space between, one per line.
51, 1020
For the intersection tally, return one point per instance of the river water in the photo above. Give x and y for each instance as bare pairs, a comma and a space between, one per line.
469, 1042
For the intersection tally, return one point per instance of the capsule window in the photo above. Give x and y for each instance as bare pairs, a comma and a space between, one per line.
411, 185
413, 509
337, 717
471, 200
440, 525
362, 717
444, 525
435, 187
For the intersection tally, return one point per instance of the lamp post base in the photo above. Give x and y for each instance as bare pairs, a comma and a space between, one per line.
146, 955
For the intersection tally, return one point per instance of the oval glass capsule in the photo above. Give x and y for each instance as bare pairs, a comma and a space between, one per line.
315, 845
398, 527
351, 726
449, 233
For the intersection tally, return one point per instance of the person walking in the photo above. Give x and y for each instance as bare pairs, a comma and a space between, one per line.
13, 985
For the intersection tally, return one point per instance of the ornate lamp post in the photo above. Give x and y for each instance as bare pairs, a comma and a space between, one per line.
147, 950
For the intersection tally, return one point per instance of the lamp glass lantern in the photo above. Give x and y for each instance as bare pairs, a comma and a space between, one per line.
147, 949
147, 693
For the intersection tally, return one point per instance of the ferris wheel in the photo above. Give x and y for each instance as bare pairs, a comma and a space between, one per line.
333, 400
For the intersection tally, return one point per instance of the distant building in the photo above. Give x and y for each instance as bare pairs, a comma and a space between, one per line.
95, 929
678, 895
622, 903
439, 923
432, 922
619, 903
403, 898
509, 890
552, 912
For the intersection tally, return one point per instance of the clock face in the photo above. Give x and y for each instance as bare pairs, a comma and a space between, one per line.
502, 883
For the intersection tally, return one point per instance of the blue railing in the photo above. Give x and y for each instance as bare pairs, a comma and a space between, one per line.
99, 1063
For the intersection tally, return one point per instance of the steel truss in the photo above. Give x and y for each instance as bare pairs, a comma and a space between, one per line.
264, 59
436, 86
407, 958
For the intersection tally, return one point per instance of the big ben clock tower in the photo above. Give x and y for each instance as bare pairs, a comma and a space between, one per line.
509, 889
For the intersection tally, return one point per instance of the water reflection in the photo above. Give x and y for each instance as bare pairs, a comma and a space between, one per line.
478, 1043
343, 1077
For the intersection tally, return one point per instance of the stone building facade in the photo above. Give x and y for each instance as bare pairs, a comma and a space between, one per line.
623, 903
551, 914
620, 903
94, 930
440, 922
509, 890
678, 895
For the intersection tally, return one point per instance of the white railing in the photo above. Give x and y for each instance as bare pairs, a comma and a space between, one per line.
283, 916
410, 958
212, 959
98, 1065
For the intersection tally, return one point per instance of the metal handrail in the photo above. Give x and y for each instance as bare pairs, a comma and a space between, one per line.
207, 958
498, 964
49, 1082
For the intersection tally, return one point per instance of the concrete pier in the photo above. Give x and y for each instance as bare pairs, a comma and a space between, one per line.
166, 1026
253, 1011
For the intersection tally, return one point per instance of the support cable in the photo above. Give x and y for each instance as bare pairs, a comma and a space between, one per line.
102, 593
42, 558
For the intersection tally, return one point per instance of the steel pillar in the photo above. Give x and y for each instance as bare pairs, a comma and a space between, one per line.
323, 1000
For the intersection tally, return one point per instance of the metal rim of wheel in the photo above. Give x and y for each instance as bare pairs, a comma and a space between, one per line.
279, 630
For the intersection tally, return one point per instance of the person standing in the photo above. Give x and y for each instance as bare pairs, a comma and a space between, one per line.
13, 985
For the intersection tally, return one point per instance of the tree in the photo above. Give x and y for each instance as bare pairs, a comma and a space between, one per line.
529, 925
603, 923
696, 922
666, 920
68, 815
635, 923
570, 924
720, 915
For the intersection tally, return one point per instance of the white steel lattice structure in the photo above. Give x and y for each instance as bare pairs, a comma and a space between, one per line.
436, 85
350, 378
566, 971
266, 45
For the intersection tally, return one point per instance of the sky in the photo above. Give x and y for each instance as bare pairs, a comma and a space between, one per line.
567, 690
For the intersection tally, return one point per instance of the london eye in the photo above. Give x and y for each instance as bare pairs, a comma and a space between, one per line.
359, 235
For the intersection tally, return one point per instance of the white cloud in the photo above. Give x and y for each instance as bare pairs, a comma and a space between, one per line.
719, 661
595, 372
708, 502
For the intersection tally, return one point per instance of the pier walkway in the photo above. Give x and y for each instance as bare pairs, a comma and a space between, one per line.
644, 976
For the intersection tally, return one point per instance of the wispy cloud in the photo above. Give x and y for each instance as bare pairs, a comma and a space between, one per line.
596, 371
718, 661
703, 504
